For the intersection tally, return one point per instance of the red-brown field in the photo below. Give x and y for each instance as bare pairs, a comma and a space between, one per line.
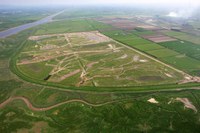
159, 38
121, 23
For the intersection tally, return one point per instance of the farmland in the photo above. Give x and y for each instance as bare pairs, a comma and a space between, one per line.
183, 47
183, 36
87, 74
161, 51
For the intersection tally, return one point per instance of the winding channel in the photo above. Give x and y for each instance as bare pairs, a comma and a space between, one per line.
31, 107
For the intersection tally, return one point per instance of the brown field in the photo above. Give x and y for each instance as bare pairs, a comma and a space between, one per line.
159, 38
121, 23
127, 24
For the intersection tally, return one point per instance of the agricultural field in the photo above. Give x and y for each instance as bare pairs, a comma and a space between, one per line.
179, 57
183, 36
184, 47
158, 38
121, 23
90, 59
91, 72
70, 26
185, 63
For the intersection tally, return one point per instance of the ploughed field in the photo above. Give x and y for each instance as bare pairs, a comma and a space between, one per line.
91, 59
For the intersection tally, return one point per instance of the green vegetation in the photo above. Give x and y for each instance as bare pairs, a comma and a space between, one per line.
13, 17
160, 53
183, 47
64, 26
141, 31
78, 67
185, 63
56, 107
168, 52
129, 112
148, 47
36, 70
184, 36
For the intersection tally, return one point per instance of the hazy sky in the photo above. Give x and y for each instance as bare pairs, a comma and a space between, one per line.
91, 2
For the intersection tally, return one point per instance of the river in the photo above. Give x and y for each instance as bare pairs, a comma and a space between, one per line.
15, 30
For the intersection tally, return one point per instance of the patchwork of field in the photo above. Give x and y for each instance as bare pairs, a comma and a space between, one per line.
183, 36
91, 59
72, 53
126, 23
120, 23
184, 57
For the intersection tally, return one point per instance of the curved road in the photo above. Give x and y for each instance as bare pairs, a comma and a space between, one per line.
15, 30
30, 105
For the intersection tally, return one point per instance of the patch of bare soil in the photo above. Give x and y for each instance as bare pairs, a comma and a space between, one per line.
168, 75
91, 37
69, 74
152, 100
48, 47
114, 48
143, 60
91, 64
41, 58
189, 79
148, 27
136, 58
171, 101
35, 38
187, 103
123, 56
83, 78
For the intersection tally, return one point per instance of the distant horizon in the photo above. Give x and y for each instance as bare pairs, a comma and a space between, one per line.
192, 3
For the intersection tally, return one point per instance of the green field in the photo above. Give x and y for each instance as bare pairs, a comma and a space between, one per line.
76, 25
184, 36
160, 53
186, 63
149, 47
168, 52
69, 26
183, 47
124, 87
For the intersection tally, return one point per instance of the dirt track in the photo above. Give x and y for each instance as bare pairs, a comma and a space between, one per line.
31, 107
